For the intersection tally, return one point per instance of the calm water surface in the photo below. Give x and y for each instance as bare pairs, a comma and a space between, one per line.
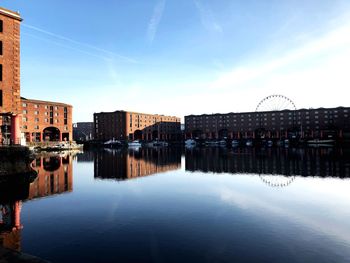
194, 205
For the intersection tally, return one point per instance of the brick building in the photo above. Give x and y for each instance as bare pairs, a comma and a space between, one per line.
46, 121
21, 118
123, 125
303, 123
9, 75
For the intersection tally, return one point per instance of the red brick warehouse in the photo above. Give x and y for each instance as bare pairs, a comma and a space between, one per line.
25, 119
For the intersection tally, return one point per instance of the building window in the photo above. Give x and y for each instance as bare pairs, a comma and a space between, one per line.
24, 112
0, 72
0, 98
24, 105
1, 52
36, 119
24, 119
36, 106
24, 126
1, 26
36, 127
36, 112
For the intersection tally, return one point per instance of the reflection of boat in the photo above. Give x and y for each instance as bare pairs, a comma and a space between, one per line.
112, 143
249, 143
62, 146
190, 143
135, 143
322, 145
269, 143
318, 141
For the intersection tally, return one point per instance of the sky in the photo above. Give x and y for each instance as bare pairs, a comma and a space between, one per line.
182, 57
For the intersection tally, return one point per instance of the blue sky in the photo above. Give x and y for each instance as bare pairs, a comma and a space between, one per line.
180, 57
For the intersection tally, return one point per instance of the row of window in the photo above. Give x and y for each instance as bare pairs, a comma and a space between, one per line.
25, 119
263, 115
45, 113
36, 127
36, 106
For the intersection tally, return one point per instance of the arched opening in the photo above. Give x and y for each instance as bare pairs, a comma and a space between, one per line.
51, 164
51, 134
155, 135
138, 135
223, 134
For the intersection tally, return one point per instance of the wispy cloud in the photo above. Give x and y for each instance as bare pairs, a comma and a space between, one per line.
326, 46
155, 20
207, 17
82, 44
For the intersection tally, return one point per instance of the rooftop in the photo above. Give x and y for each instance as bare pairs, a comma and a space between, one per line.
45, 102
9, 13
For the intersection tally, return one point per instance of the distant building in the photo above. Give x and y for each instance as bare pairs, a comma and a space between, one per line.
303, 123
123, 125
83, 131
25, 119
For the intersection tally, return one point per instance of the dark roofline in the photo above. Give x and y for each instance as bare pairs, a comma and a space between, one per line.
253, 112
46, 102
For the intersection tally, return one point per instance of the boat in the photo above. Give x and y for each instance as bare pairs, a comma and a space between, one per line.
190, 142
249, 143
222, 143
135, 143
112, 144
269, 143
235, 143
160, 144
211, 143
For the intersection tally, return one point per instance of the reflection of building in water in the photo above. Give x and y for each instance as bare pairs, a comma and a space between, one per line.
55, 176
306, 162
10, 225
85, 157
126, 165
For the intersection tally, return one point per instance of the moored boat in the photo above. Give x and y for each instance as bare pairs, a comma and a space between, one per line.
135, 143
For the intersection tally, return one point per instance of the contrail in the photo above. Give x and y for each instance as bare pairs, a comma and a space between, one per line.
130, 60
69, 47
155, 20
207, 17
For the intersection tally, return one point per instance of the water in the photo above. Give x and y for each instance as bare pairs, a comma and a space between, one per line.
195, 205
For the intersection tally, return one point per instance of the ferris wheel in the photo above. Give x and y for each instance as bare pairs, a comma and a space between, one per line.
275, 103
277, 180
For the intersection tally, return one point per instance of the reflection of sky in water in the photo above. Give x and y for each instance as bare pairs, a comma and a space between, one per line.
205, 215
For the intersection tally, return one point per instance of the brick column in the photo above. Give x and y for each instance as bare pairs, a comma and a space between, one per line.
15, 129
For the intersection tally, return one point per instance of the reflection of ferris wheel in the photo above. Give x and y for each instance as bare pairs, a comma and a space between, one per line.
276, 180
275, 103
